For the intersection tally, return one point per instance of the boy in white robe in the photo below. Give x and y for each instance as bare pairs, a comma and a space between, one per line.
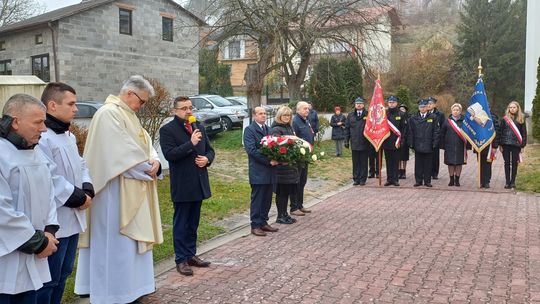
124, 218
73, 187
27, 209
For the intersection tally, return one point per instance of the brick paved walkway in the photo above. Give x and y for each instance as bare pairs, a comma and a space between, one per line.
383, 245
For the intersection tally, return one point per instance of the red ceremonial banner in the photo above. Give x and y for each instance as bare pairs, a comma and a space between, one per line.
377, 129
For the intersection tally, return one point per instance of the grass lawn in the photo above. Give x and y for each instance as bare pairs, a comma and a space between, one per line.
528, 177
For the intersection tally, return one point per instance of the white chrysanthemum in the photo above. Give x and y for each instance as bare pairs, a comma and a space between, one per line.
322, 153
314, 157
302, 151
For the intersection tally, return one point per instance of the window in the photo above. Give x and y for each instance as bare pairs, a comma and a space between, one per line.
234, 49
5, 67
125, 21
40, 67
167, 25
39, 39
2, 45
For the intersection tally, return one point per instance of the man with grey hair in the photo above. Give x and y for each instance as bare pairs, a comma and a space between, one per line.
303, 129
115, 264
27, 207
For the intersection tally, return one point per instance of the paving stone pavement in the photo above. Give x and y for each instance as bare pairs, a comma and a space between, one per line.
382, 245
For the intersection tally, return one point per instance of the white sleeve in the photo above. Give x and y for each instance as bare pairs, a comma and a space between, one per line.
62, 188
16, 227
138, 172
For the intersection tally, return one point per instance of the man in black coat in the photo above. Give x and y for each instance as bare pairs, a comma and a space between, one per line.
391, 145
423, 139
262, 173
303, 129
187, 149
354, 134
436, 160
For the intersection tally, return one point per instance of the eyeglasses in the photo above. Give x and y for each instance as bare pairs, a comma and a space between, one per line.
142, 101
185, 108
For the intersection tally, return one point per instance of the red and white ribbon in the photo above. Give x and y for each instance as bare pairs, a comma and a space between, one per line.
396, 132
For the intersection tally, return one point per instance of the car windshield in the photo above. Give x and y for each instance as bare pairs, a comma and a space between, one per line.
220, 101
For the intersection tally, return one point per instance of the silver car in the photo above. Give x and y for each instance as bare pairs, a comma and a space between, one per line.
230, 114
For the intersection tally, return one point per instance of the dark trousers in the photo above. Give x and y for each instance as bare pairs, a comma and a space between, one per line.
60, 267
485, 167
392, 165
261, 201
373, 161
283, 193
298, 202
511, 158
359, 165
422, 167
185, 224
27, 297
436, 161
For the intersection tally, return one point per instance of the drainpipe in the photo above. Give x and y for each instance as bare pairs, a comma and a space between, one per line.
55, 52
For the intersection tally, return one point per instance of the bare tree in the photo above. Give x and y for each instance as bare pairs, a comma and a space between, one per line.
12, 11
286, 32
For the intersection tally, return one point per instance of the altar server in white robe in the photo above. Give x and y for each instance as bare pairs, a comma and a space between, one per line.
72, 183
27, 209
124, 218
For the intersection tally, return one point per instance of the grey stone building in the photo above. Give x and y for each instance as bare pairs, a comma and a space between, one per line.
97, 44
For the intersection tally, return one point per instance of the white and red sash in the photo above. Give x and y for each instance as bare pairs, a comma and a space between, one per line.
490, 157
396, 132
458, 131
515, 129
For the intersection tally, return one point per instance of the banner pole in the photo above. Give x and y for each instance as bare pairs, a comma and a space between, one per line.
380, 164
479, 170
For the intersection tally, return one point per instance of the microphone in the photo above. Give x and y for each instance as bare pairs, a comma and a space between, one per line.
192, 120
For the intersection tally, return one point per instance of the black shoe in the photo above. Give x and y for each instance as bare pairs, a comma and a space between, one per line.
388, 184
396, 184
371, 176
507, 186
513, 185
457, 181
429, 185
486, 186
284, 220
417, 185
451, 183
356, 183
292, 220
434, 177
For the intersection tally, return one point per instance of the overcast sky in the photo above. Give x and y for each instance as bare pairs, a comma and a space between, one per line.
56, 4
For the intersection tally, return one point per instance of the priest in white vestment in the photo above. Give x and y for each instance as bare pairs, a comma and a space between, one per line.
115, 261
72, 184
27, 209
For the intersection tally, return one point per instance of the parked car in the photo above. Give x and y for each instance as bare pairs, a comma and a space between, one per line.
211, 122
242, 100
86, 110
230, 114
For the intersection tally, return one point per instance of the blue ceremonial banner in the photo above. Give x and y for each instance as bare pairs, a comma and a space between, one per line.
478, 123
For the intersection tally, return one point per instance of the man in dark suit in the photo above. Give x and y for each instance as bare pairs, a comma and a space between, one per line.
432, 108
423, 139
354, 135
305, 130
262, 174
391, 145
187, 149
